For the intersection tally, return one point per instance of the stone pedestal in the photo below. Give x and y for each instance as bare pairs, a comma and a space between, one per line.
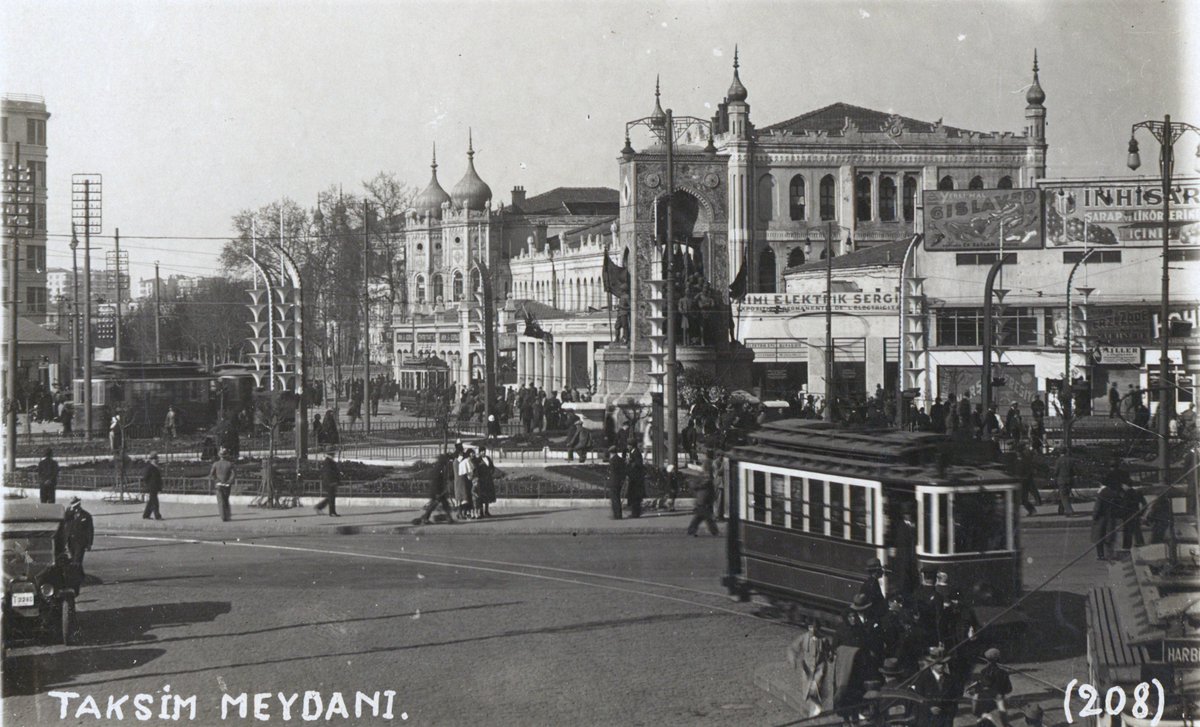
730, 366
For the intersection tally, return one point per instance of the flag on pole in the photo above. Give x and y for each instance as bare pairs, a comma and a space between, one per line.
737, 289
616, 278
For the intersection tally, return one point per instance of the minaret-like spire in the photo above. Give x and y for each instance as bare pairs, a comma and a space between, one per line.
470, 145
433, 166
1035, 96
737, 91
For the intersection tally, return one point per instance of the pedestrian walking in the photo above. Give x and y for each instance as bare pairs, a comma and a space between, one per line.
990, 686
462, 483
76, 532
1114, 401
152, 484
636, 473
169, 429
1105, 519
616, 480
331, 478
721, 483
704, 495
47, 472
438, 496
114, 433
935, 686
316, 435
1030, 497
1133, 509
485, 483
223, 476
1063, 479
66, 416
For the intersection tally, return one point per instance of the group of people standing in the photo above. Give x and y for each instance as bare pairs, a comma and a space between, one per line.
462, 483
904, 658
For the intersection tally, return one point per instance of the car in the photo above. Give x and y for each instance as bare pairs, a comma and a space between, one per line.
40, 582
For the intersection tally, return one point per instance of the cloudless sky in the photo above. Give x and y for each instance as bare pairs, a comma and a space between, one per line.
193, 111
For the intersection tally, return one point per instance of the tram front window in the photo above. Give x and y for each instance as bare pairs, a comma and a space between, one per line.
979, 522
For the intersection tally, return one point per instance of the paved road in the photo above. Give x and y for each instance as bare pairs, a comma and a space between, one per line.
549, 629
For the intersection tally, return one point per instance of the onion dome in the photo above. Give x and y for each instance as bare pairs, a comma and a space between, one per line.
471, 192
659, 117
737, 92
429, 202
1035, 96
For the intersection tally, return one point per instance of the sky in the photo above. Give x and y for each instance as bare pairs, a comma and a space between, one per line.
193, 111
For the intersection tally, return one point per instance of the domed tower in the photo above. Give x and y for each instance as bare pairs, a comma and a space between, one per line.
1035, 129
739, 110
471, 192
741, 175
429, 202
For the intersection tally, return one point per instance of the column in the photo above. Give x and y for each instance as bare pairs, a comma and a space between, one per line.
520, 363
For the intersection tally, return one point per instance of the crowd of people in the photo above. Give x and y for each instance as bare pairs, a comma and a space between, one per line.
904, 656
462, 484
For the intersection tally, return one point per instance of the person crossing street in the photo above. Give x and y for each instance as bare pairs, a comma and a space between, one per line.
223, 476
331, 478
152, 484
47, 473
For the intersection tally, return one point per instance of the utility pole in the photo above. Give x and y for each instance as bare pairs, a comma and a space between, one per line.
86, 210
74, 305
117, 323
672, 363
157, 316
367, 313
830, 393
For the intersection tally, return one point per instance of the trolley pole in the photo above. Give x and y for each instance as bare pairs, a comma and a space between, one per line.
158, 315
367, 313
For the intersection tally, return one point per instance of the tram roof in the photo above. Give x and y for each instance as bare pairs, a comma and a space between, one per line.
149, 370
886, 472
881, 445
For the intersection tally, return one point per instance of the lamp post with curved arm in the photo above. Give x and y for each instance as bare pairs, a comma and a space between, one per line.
830, 393
1165, 132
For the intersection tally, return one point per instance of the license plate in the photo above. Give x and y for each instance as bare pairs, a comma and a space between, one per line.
22, 599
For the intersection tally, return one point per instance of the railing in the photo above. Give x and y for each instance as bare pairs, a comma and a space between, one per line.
251, 484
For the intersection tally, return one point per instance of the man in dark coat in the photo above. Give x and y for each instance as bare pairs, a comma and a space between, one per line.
616, 480
1105, 518
76, 532
1133, 509
329, 428
47, 471
872, 589
990, 686
579, 441
1030, 497
705, 495
331, 477
152, 485
1114, 402
936, 686
438, 479
904, 540
1064, 480
636, 472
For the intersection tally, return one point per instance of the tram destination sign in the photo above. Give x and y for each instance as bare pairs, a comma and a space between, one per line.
1181, 652
976, 219
1120, 213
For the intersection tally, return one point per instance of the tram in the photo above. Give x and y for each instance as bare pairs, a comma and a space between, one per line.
810, 505
144, 391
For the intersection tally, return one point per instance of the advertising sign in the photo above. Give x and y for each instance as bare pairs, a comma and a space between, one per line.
1117, 355
861, 302
1120, 324
1120, 213
1181, 652
1020, 383
974, 219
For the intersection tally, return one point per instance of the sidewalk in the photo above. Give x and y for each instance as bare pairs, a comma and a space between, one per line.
198, 517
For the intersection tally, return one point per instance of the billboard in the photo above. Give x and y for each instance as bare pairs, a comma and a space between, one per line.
974, 219
1120, 213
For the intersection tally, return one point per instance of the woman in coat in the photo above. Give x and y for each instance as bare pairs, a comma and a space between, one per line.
463, 469
485, 483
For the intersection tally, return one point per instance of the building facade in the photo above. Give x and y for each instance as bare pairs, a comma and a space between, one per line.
23, 143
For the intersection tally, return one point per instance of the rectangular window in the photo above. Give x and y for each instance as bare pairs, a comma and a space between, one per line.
1100, 256
860, 514
927, 534
979, 522
758, 497
837, 510
984, 258
35, 258
35, 300
798, 519
943, 524
1179, 256
816, 507
778, 499
1017, 327
35, 132
959, 326
37, 174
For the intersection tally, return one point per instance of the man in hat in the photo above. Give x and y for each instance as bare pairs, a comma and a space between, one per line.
152, 485
616, 480
897, 706
76, 532
1106, 518
904, 543
636, 473
331, 477
439, 478
223, 476
47, 471
704, 494
934, 684
1033, 714
872, 587
1063, 479
991, 685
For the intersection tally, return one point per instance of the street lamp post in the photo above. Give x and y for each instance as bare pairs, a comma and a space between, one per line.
1165, 132
1067, 382
829, 367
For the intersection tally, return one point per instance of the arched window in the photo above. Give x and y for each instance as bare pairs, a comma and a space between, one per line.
766, 271
766, 198
439, 295
827, 197
796, 257
887, 199
457, 290
975, 183
946, 183
862, 199
796, 201
420, 289
1004, 183
910, 198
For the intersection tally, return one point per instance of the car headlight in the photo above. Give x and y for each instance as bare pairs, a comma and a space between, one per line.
47, 590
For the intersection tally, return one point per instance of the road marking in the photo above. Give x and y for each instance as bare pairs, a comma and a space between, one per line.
482, 569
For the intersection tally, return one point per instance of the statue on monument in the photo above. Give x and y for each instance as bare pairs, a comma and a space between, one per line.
616, 284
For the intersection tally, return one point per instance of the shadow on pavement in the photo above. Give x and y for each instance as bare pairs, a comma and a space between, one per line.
27, 674
130, 624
